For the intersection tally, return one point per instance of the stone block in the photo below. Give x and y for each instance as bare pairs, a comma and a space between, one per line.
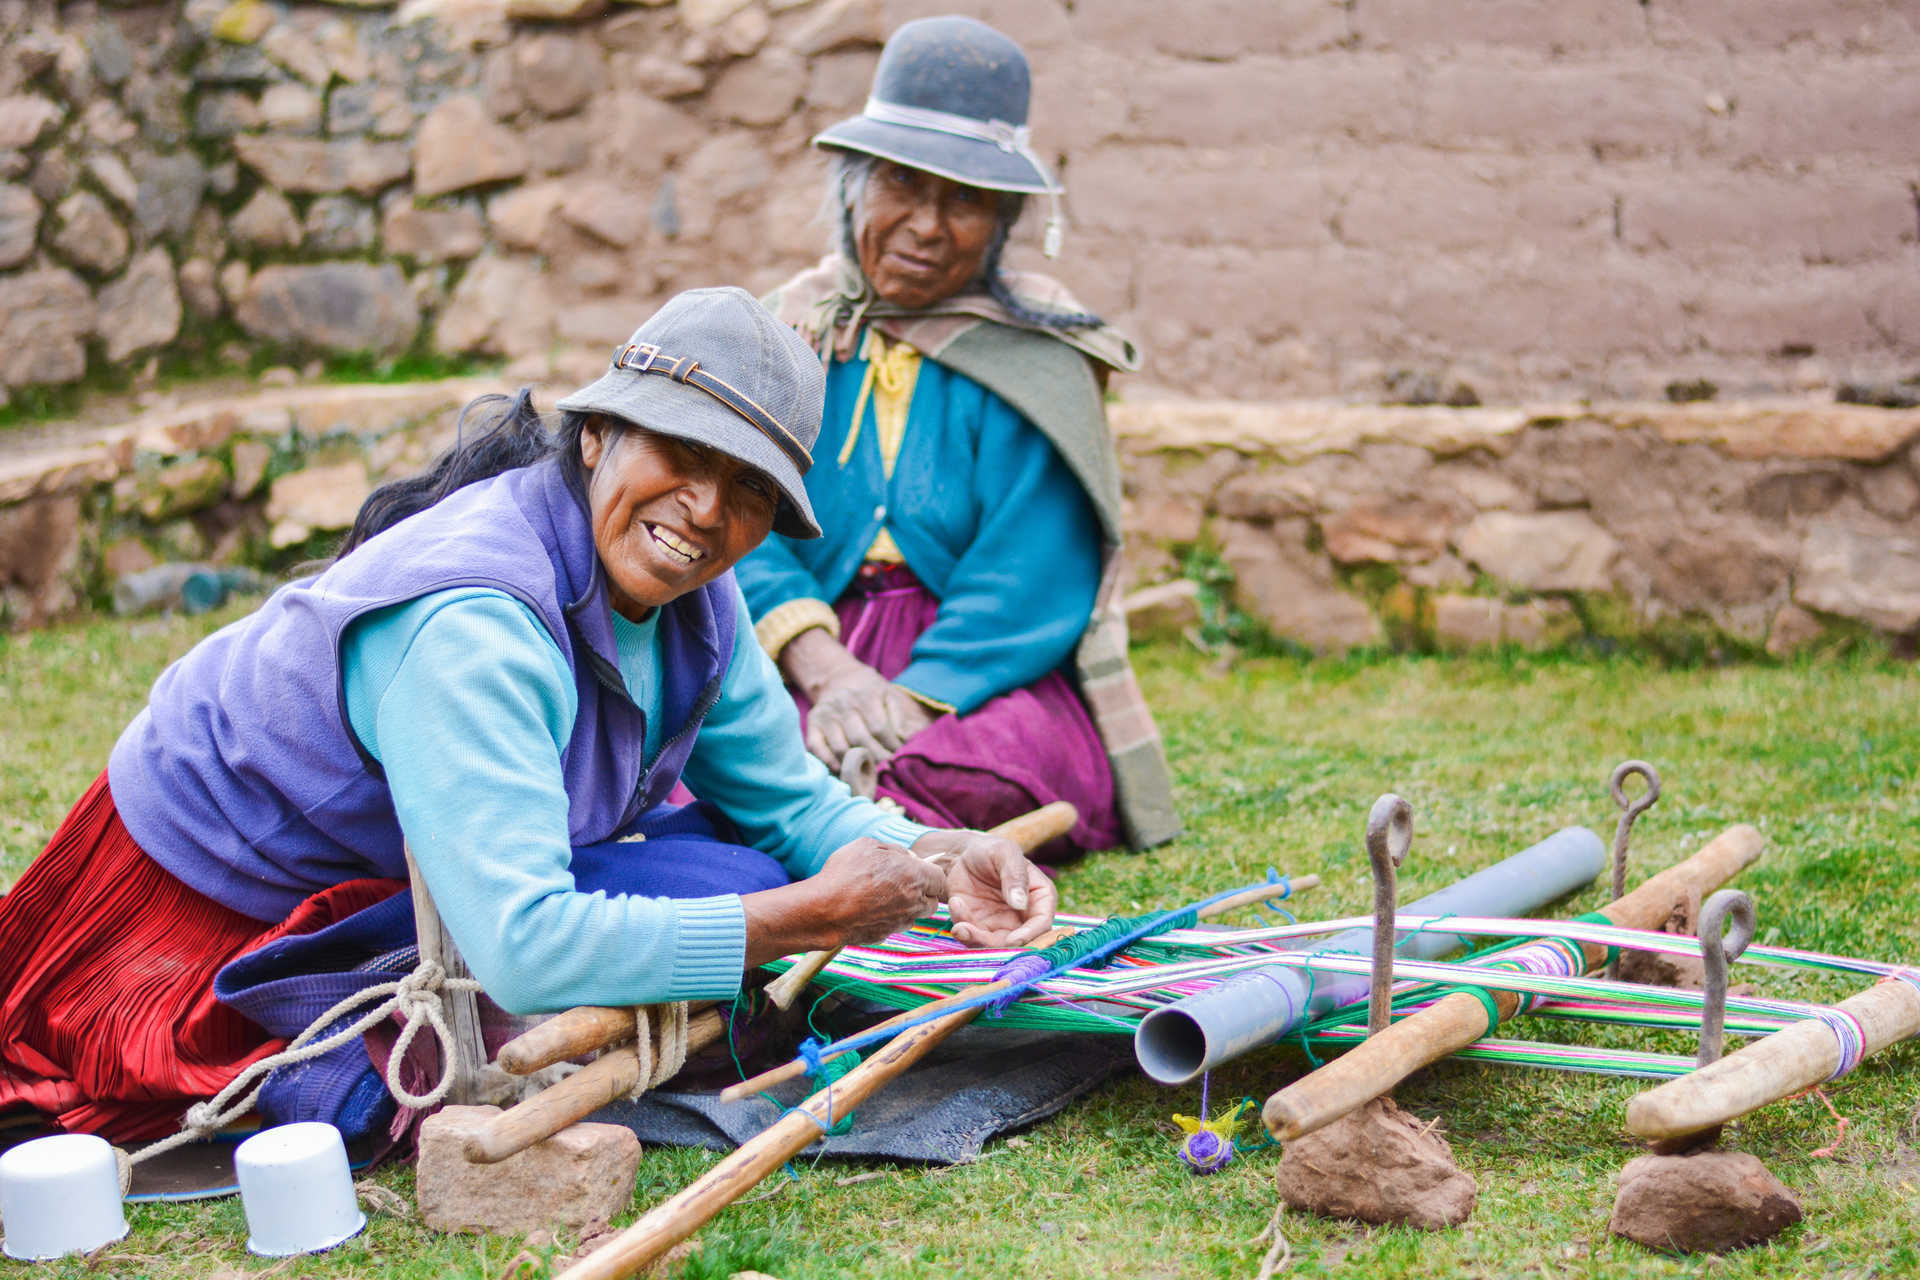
291, 108
521, 218
576, 1180
308, 165
432, 235
198, 289
1772, 216
267, 221
141, 309
250, 459
316, 499
45, 316
1390, 198
555, 10
181, 487
1869, 574
1707, 1202
1378, 1164
459, 146
24, 117
558, 73
1167, 609
1619, 106
500, 307
1570, 26
1368, 97
760, 91
671, 133
1249, 196
1293, 591
19, 224
333, 306
1218, 31
1489, 306
1387, 533
39, 553
605, 211
1828, 309
1793, 630
340, 225
661, 77
1541, 551
1793, 110
1717, 27
167, 193
839, 25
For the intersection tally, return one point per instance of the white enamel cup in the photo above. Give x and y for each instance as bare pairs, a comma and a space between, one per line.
60, 1195
297, 1190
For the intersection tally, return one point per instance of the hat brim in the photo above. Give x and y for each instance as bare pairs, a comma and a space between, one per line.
971, 161
660, 404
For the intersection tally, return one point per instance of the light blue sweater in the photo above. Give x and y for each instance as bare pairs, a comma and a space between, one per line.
466, 702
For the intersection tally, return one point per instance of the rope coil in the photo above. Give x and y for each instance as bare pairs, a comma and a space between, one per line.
415, 997
661, 1045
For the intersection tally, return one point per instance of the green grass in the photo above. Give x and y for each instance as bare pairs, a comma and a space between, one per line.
1277, 761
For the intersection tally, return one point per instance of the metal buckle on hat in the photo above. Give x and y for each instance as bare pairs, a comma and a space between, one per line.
624, 359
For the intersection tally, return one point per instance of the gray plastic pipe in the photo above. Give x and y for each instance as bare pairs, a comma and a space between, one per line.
1257, 1007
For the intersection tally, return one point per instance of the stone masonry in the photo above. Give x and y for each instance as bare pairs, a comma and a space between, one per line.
1402, 199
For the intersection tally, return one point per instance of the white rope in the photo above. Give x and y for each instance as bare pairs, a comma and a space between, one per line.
661, 1046
415, 997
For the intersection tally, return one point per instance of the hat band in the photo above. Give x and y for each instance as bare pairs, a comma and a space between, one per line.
644, 357
1014, 139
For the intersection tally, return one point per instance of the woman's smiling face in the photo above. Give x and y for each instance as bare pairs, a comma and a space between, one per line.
921, 237
669, 515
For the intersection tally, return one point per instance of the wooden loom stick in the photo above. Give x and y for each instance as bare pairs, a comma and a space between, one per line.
791, 1070
1789, 1061
1029, 831
673, 1220
568, 1035
611, 1076
1453, 1022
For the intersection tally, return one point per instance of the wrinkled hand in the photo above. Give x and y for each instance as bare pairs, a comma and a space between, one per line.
865, 891
853, 705
995, 896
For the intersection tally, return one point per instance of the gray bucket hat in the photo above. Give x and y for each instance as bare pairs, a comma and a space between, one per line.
950, 96
714, 366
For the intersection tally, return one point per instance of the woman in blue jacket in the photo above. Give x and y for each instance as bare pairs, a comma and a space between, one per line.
954, 626
514, 660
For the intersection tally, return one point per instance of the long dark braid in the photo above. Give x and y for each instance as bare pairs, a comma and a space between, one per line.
850, 173
496, 433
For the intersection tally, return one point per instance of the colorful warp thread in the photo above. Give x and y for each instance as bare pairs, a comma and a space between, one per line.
1848, 1034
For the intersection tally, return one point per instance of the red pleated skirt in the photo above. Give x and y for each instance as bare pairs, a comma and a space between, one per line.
107, 1022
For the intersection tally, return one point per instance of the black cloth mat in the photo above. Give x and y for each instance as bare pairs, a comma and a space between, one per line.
976, 1084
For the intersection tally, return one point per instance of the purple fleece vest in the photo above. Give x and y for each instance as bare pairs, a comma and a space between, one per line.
243, 779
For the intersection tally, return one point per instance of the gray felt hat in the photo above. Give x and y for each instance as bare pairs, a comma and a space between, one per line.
950, 97
714, 366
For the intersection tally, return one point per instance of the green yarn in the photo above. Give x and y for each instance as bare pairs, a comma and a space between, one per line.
1070, 951
1596, 917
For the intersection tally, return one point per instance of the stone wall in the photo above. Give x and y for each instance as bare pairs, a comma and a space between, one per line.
1728, 528
1416, 199
1699, 528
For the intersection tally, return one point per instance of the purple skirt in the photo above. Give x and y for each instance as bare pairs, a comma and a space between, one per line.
1013, 754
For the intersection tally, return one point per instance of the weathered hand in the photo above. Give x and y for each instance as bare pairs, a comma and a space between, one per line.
996, 897
877, 888
853, 705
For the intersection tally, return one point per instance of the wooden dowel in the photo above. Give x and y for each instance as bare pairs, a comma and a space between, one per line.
1791, 1060
672, 1221
1029, 831
463, 1007
606, 1079
790, 1070
565, 1036
1453, 1022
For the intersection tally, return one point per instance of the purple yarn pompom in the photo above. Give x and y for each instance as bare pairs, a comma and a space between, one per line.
1206, 1152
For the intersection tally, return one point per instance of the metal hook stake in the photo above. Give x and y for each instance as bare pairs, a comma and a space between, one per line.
1631, 809
1389, 836
1718, 946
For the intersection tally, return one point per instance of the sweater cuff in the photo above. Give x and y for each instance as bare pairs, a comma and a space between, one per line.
894, 829
710, 955
780, 625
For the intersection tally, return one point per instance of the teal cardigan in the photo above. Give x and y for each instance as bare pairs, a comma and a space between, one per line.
984, 510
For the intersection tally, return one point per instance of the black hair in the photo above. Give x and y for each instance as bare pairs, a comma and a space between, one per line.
495, 434
851, 169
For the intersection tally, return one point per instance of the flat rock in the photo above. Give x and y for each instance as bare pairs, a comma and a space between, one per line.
310, 165
167, 192
1869, 574
459, 146
23, 117
19, 224
317, 498
267, 221
1709, 1202
1541, 551
335, 306
1293, 591
142, 308
44, 318
1380, 1165
576, 1180
89, 237
431, 235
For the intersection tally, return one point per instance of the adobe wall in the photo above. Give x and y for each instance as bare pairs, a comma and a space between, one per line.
1406, 199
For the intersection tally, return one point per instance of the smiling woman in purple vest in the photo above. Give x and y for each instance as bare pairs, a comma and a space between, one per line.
956, 625
514, 660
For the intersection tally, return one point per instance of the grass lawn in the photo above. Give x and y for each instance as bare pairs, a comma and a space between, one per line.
1277, 762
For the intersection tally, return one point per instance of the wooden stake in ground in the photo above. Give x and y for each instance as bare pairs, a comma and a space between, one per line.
1455, 1021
